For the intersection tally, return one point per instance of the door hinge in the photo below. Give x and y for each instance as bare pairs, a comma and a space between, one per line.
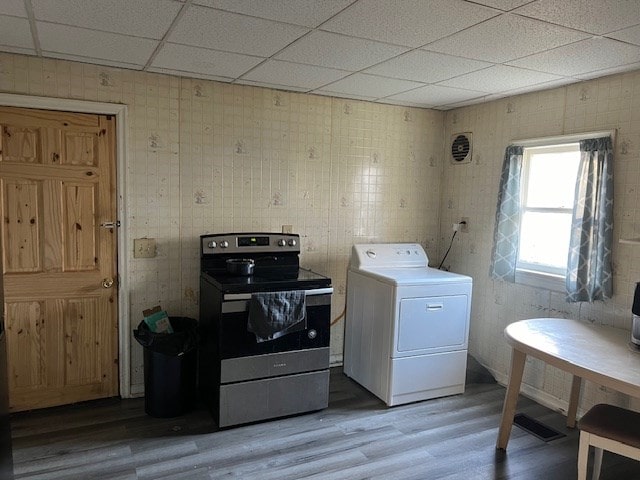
115, 224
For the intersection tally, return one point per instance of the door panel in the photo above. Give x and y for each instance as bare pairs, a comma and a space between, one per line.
21, 144
57, 175
80, 148
26, 344
80, 245
21, 233
82, 341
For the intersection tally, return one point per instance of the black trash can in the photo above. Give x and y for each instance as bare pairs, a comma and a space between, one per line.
170, 362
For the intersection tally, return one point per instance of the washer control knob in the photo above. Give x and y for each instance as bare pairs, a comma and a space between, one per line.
224, 244
292, 243
312, 334
212, 244
282, 242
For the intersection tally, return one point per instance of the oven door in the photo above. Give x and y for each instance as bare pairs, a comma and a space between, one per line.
235, 340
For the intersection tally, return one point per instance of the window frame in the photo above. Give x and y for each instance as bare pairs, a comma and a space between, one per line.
537, 275
505, 247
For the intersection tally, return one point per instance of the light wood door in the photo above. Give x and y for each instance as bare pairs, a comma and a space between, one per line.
57, 181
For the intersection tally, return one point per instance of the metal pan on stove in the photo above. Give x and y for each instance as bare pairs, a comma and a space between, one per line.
240, 266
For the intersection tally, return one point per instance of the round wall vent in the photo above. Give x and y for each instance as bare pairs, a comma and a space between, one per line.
461, 148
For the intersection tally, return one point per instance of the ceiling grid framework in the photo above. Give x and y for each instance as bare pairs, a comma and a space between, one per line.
438, 54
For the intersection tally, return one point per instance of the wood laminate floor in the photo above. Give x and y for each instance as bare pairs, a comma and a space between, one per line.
357, 437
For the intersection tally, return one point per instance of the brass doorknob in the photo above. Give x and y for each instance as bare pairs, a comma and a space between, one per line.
107, 282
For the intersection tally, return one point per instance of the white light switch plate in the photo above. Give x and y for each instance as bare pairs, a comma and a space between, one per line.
144, 248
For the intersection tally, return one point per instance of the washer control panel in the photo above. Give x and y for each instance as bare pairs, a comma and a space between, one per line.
388, 255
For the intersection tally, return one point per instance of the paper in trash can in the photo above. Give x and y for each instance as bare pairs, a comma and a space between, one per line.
183, 339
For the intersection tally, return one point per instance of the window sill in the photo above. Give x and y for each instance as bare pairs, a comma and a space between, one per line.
547, 281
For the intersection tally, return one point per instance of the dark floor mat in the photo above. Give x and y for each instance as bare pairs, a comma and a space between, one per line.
535, 428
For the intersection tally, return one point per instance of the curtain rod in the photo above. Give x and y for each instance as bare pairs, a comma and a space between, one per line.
559, 139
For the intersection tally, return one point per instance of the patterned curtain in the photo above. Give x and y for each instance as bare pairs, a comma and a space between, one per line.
507, 229
589, 262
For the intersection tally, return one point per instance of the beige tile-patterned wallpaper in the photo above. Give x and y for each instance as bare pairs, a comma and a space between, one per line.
471, 190
209, 157
212, 157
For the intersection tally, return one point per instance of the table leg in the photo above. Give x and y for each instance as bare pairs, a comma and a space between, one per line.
574, 399
511, 398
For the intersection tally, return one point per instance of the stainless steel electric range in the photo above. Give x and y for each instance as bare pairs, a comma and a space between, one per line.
244, 377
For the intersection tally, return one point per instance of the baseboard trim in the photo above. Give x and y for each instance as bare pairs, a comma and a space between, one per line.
539, 396
136, 390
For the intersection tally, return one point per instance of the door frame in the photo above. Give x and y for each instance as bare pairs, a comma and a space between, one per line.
120, 112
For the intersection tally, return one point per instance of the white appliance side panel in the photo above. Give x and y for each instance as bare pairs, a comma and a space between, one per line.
368, 333
432, 322
427, 376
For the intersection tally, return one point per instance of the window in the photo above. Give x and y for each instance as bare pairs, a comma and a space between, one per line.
549, 176
554, 217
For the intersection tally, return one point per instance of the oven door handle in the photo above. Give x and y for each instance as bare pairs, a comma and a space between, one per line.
247, 296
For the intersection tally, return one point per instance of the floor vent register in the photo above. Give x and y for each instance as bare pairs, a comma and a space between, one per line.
536, 428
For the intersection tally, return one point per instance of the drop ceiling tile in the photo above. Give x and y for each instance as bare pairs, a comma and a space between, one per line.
403, 104
205, 27
629, 35
343, 95
498, 78
78, 58
582, 57
466, 103
538, 87
270, 85
94, 46
436, 95
505, 38
630, 67
338, 51
505, 5
180, 73
593, 16
427, 67
409, 22
287, 74
15, 32
370, 86
13, 7
309, 13
140, 18
20, 50
204, 61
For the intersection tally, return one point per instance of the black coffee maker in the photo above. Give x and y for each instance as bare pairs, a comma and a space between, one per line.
635, 310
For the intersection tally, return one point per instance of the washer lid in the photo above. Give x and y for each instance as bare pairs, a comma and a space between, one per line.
414, 275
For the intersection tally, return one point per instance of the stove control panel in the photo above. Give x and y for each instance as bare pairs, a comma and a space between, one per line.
246, 243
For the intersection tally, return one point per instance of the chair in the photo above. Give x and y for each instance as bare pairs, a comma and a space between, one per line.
610, 428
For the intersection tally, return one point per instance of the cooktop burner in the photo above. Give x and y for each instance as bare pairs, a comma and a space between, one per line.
276, 259
303, 280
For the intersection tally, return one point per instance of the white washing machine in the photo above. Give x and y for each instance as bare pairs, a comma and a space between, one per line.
407, 325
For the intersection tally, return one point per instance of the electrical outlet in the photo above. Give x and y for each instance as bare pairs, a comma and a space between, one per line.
287, 228
144, 248
464, 224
